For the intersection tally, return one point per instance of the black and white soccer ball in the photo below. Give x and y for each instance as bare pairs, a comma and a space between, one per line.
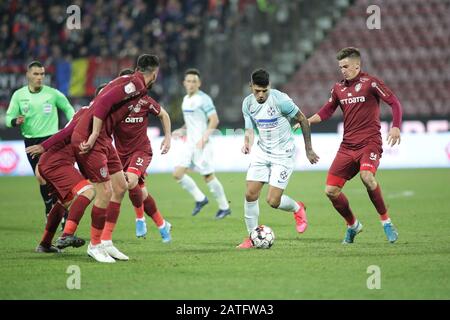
262, 237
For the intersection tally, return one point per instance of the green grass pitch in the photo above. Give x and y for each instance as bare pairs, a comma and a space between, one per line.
202, 262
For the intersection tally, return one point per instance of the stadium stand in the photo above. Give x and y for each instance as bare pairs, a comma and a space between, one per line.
411, 53
226, 39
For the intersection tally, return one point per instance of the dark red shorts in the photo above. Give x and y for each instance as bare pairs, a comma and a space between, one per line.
99, 163
348, 163
63, 179
137, 163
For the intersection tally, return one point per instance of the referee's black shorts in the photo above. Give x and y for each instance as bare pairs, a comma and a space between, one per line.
32, 142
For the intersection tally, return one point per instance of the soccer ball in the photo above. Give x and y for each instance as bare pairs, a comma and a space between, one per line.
262, 237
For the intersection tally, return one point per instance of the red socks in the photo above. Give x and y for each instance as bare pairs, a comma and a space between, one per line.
54, 218
151, 209
135, 195
75, 214
112, 214
98, 216
378, 202
342, 206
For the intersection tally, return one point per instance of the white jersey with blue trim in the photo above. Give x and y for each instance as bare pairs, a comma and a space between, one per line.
196, 110
272, 119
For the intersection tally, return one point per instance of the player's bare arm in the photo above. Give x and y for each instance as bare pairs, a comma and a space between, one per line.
85, 146
314, 119
180, 132
248, 141
166, 125
311, 120
306, 131
213, 122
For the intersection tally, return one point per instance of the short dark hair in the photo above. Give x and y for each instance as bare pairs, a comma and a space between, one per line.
34, 63
192, 71
147, 63
260, 77
125, 72
349, 52
99, 88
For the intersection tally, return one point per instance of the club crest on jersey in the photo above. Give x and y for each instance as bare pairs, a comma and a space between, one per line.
129, 88
358, 87
26, 107
103, 172
270, 111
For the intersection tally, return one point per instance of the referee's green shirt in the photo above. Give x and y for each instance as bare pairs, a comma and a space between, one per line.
39, 110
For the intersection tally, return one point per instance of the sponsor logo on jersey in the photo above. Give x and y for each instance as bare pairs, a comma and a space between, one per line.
353, 100
134, 119
267, 123
342, 90
129, 88
358, 87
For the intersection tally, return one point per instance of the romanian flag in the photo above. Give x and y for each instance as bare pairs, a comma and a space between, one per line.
82, 77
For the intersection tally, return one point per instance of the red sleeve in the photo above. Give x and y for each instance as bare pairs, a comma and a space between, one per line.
154, 108
329, 108
379, 89
396, 110
103, 103
61, 135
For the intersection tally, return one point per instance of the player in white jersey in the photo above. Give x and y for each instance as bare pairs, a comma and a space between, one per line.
200, 120
272, 159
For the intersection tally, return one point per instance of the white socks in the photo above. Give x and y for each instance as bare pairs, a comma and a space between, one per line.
287, 204
189, 185
251, 210
215, 187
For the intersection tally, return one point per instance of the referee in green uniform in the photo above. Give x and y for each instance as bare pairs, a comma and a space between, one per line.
33, 109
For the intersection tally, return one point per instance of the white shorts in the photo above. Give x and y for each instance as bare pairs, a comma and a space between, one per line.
196, 159
275, 172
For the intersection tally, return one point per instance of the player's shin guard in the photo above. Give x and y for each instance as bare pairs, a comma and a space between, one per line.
251, 210
216, 188
54, 218
112, 214
342, 206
